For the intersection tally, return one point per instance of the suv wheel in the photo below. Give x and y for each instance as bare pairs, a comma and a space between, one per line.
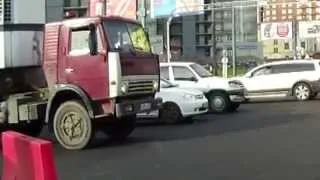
219, 102
302, 91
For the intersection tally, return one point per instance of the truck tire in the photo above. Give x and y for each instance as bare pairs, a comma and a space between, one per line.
170, 113
219, 102
72, 126
120, 129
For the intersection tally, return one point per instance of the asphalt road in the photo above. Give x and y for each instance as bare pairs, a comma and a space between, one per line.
261, 141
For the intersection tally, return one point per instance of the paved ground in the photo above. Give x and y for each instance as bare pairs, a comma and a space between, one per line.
261, 142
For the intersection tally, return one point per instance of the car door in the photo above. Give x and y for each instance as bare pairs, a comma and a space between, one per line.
183, 76
81, 67
260, 81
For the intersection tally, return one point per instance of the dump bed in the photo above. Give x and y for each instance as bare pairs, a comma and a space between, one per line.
21, 32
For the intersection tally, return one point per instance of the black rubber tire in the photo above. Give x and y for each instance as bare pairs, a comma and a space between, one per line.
72, 108
170, 113
120, 129
233, 107
225, 102
304, 85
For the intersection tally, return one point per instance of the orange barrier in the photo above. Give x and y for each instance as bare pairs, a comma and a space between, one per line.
27, 158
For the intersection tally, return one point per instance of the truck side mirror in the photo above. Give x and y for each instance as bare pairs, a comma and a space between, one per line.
92, 42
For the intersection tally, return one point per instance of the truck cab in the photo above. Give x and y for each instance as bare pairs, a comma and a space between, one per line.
107, 63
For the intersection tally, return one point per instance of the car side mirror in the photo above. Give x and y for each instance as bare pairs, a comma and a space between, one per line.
193, 79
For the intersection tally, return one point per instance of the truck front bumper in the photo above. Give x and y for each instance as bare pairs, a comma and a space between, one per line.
237, 96
134, 107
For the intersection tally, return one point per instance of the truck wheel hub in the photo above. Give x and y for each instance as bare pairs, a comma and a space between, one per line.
72, 126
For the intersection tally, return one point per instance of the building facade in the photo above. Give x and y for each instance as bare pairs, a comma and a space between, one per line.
194, 35
297, 12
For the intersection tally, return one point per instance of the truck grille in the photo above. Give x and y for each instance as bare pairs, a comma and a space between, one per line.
136, 87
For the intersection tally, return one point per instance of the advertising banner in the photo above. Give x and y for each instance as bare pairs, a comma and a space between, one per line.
165, 8
309, 29
276, 30
123, 8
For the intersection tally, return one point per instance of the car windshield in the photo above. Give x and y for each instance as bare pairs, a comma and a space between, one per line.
166, 84
125, 36
201, 71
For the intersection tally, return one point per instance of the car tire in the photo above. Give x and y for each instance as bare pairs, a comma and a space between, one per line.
65, 126
170, 113
120, 128
302, 91
233, 107
219, 102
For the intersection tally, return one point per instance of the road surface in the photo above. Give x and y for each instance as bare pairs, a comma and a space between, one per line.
262, 141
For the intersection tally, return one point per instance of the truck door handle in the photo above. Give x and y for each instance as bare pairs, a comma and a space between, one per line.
69, 70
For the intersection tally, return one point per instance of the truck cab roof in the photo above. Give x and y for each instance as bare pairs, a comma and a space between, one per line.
82, 21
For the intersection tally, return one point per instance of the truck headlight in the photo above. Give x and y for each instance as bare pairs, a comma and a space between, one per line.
155, 85
124, 87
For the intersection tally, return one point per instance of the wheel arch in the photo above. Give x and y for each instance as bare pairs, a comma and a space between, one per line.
172, 103
298, 82
62, 93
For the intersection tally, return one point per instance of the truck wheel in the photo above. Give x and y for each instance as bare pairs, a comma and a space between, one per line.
219, 102
170, 113
72, 126
121, 128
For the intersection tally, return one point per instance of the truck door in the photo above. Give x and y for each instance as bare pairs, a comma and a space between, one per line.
83, 67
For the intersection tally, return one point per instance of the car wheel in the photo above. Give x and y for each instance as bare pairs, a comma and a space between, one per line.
302, 91
233, 107
72, 126
170, 113
121, 128
219, 102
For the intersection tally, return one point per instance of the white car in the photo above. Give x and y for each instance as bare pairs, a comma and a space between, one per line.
297, 78
223, 95
178, 104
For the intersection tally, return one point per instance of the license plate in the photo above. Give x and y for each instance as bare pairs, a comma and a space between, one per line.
145, 106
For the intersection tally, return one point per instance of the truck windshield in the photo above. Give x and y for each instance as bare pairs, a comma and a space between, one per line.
126, 36
201, 71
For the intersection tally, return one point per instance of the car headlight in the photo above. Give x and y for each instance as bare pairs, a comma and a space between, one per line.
155, 85
235, 84
189, 96
124, 87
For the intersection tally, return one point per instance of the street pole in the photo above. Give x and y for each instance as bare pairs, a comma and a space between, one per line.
213, 40
234, 41
168, 38
143, 13
104, 7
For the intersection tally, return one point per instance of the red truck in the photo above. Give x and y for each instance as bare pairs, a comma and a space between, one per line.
77, 76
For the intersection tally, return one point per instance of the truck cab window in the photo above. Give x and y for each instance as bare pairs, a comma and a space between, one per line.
126, 36
79, 42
